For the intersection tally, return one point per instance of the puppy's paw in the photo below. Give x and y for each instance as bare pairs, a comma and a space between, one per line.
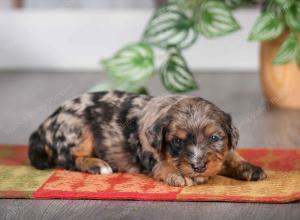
189, 181
199, 180
100, 169
182, 181
92, 165
178, 180
251, 172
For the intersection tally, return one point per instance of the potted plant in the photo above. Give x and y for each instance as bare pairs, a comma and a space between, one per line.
177, 25
280, 52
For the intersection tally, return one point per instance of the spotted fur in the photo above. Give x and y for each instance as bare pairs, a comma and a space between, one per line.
165, 137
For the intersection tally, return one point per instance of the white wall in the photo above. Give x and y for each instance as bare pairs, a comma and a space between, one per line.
82, 4
78, 39
89, 3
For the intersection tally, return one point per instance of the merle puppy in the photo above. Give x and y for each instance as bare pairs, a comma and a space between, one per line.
180, 140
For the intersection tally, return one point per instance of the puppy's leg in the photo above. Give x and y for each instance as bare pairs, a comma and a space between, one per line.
92, 165
167, 173
238, 168
85, 160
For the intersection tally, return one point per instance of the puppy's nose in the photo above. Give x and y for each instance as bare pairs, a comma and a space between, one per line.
200, 168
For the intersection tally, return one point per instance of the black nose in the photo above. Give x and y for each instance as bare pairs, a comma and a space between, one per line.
200, 168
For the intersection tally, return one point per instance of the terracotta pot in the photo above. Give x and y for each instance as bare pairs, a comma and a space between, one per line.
280, 83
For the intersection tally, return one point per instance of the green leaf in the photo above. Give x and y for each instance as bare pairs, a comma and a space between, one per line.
183, 4
170, 26
215, 19
266, 27
175, 73
278, 7
233, 3
287, 51
280, 1
284, 4
121, 86
292, 17
273, 7
133, 63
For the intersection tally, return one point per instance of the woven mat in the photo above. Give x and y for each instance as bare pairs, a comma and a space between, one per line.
19, 180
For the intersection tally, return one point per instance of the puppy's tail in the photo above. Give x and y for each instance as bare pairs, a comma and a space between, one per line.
40, 154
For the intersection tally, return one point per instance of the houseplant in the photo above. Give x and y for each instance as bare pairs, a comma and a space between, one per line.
281, 82
177, 26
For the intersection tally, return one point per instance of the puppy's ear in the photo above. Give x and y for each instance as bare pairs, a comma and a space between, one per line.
156, 131
232, 132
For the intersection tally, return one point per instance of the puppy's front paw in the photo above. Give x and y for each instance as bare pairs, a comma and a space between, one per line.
251, 172
178, 180
92, 165
182, 181
199, 180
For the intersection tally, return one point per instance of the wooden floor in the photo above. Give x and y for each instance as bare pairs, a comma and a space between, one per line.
27, 98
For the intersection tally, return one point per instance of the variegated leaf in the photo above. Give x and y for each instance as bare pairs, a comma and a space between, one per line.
175, 73
277, 7
287, 51
133, 63
292, 17
215, 19
266, 27
274, 8
285, 4
170, 26
233, 3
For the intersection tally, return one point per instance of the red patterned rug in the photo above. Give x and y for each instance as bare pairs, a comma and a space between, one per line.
19, 180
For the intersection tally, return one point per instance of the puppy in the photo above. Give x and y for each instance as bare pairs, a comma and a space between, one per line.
180, 140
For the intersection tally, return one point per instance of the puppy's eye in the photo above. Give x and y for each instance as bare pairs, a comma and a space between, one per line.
177, 142
214, 138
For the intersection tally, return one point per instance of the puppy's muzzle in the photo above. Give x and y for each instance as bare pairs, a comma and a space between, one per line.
200, 167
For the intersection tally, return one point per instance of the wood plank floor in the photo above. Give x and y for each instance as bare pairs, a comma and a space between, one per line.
27, 98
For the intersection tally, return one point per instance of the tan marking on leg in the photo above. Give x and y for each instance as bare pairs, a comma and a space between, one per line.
92, 165
48, 150
86, 147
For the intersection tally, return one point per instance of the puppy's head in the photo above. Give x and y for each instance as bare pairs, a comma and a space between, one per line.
194, 135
